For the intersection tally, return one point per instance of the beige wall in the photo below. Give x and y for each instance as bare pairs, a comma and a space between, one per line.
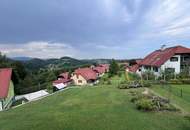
77, 80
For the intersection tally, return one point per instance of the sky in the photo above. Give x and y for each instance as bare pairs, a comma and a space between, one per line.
121, 29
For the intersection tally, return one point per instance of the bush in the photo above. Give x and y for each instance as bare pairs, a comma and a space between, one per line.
134, 76
185, 81
175, 81
123, 86
150, 102
108, 82
145, 104
146, 84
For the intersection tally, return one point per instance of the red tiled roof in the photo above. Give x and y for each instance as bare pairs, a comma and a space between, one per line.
159, 57
86, 73
61, 81
134, 68
65, 75
105, 65
99, 69
5, 78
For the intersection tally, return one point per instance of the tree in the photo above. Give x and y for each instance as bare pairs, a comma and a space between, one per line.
114, 68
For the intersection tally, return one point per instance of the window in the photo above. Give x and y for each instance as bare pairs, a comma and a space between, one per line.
155, 69
186, 58
147, 68
170, 70
174, 59
79, 81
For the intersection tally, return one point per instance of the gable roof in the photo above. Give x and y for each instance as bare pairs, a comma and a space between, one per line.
99, 69
106, 66
61, 81
64, 75
86, 73
159, 57
5, 78
134, 68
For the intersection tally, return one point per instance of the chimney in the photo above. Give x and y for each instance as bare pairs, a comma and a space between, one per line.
162, 47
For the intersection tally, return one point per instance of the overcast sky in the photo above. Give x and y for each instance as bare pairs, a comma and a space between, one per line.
92, 28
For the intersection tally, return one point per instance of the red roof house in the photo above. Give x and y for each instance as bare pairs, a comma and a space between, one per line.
99, 70
64, 75
63, 81
6, 88
83, 76
106, 66
159, 57
161, 60
87, 73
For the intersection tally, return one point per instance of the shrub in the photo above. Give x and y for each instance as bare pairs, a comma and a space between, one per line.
145, 104
150, 102
134, 76
146, 84
185, 81
123, 86
175, 81
108, 82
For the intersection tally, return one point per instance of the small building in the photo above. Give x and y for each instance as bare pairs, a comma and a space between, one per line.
63, 80
84, 76
173, 59
31, 96
100, 71
106, 66
64, 76
6, 88
61, 84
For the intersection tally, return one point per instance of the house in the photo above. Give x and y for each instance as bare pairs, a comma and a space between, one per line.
84, 76
100, 71
61, 84
106, 66
6, 88
173, 59
63, 80
64, 76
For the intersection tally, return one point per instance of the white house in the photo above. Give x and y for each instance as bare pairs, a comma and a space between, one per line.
173, 59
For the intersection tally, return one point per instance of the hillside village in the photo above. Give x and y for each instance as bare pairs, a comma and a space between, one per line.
164, 67
173, 60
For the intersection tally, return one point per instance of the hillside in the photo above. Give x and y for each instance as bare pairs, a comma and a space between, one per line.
64, 62
89, 108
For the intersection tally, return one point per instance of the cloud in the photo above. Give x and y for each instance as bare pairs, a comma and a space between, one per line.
39, 49
168, 18
92, 29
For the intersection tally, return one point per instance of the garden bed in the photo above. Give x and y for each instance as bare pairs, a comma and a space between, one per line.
147, 101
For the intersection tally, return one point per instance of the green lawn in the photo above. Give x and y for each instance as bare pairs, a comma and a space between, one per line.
89, 108
173, 92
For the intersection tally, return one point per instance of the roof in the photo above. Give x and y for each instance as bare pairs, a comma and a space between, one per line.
105, 65
61, 81
5, 78
35, 95
159, 57
99, 69
134, 68
60, 86
86, 73
65, 75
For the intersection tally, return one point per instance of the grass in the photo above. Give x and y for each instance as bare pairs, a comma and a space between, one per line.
89, 108
173, 92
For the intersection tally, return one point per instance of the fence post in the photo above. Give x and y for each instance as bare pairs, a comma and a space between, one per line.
181, 94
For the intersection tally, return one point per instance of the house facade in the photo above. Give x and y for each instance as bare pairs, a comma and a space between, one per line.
84, 76
6, 88
173, 59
